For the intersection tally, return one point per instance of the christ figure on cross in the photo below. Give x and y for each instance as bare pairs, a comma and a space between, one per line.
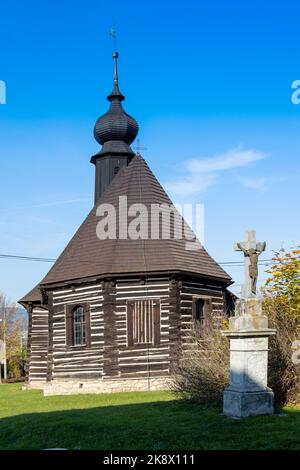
251, 251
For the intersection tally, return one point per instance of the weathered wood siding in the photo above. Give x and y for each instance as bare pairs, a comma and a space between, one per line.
76, 361
190, 289
37, 344
109, 355
152, 361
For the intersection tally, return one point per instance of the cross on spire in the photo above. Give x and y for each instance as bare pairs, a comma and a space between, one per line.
138, 147
113, 34
115, 94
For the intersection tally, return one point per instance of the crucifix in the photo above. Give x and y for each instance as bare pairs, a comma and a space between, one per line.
138, 147
251, 250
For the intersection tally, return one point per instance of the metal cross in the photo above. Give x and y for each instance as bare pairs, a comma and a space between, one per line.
138, 147
113, 34
251, 250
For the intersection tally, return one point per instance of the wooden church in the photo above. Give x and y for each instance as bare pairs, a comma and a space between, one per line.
112, 314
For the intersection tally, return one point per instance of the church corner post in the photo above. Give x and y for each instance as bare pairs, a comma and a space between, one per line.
248, 393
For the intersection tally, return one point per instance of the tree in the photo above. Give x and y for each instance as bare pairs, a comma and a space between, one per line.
281, 303
12, 331
283, 283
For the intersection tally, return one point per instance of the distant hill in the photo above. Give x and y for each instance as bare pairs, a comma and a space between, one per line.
21, 313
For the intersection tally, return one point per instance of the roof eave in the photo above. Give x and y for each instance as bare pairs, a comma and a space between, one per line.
227, 281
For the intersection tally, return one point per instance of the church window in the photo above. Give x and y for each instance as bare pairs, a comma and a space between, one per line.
201, 310
78, 325
143, 322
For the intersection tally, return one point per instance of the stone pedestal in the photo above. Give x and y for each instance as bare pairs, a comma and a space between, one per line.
248, 393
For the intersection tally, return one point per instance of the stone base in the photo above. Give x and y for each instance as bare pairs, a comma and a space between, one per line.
34, 384
70, 387
243, 404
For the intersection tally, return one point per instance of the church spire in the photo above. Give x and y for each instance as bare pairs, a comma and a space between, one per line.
116, 94
115, 131
116, 78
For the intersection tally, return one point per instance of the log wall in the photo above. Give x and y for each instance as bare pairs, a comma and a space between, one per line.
76, 361
152, 361
109, 355
188, 290
37, 345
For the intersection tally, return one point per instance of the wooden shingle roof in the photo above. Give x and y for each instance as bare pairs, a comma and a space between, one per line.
33, 296
87, 256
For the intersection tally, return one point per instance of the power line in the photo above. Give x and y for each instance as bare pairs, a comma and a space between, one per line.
52, 260
227, 263
28, 258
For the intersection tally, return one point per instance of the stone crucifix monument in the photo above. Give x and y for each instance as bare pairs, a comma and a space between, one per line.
248, 393
251, 251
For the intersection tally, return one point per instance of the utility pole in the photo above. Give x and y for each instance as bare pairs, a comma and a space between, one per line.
0, 364
4, 343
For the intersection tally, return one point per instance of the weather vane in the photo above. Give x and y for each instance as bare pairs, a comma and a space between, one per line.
113, 34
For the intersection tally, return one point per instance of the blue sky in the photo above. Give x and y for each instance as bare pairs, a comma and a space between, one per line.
210, 85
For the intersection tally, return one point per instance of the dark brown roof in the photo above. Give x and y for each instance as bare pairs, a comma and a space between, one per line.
87, 256
33, 296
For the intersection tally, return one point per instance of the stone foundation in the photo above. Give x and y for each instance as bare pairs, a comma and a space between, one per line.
34, 384
69, 387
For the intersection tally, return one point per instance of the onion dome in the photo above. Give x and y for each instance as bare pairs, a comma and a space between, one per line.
115, 130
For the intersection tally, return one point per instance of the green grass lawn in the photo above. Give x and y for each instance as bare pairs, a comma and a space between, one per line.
148, 420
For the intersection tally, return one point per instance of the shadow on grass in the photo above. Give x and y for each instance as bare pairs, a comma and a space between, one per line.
174, 424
